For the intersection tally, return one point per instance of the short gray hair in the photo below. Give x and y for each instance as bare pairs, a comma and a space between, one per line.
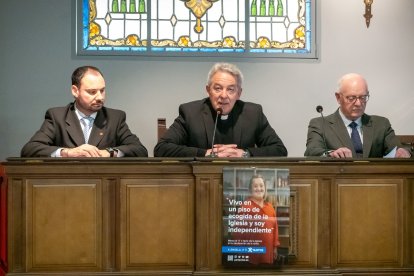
228, 68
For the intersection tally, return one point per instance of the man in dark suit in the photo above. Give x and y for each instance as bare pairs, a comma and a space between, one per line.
349, 132
242, 128
85, 128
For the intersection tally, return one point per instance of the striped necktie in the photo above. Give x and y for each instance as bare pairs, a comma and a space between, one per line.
87, 126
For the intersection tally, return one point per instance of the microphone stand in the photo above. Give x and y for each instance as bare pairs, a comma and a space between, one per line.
219, 111
319, 109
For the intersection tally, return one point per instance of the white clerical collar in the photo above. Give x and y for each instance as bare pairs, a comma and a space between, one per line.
224, 117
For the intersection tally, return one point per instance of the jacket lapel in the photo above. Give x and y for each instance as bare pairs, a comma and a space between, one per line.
237, 128
73, 127
339, 129
208, 123
368, 134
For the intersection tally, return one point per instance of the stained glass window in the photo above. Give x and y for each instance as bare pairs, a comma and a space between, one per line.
251, 28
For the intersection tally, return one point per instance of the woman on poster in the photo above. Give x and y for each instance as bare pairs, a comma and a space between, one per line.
262, 229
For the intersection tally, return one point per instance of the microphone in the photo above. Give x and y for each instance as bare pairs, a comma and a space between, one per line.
218, 112
319, 109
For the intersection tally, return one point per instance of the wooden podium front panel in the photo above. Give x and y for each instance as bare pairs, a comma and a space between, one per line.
157, 224
208, 225
165, 218
304, 222
408, 195
369, 221
3, 221
64, 221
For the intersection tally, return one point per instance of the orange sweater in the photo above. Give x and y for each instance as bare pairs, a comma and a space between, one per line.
268, 238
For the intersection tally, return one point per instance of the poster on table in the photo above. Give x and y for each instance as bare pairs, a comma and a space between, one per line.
255, 217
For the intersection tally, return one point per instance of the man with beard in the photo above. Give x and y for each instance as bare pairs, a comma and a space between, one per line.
85, 128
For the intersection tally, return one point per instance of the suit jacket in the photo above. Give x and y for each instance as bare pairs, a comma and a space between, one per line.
378, 136
192, 131
61, 129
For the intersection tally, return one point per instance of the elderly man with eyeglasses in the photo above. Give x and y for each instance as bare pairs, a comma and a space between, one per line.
349, 132
221, 125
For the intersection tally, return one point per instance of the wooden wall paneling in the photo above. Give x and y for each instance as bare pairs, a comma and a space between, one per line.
369, 222
215, 219
208, 221
209, 210
3, 221
110, 223
156, 223
305, 223
324, 221
307, 191
63, 224
409, 222
153, 218
15, 225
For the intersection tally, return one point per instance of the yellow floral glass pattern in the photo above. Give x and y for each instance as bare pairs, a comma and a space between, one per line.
198, 26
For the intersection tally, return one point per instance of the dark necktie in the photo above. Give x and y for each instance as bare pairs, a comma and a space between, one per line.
356, 139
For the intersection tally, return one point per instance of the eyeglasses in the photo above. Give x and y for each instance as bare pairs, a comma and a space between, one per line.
352, 99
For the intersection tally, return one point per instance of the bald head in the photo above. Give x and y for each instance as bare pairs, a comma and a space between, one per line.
352, 95
351, 79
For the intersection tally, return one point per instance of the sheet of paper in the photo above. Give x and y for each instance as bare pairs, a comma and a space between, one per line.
391, 154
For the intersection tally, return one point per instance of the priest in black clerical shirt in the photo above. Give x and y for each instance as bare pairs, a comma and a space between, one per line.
242, 128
